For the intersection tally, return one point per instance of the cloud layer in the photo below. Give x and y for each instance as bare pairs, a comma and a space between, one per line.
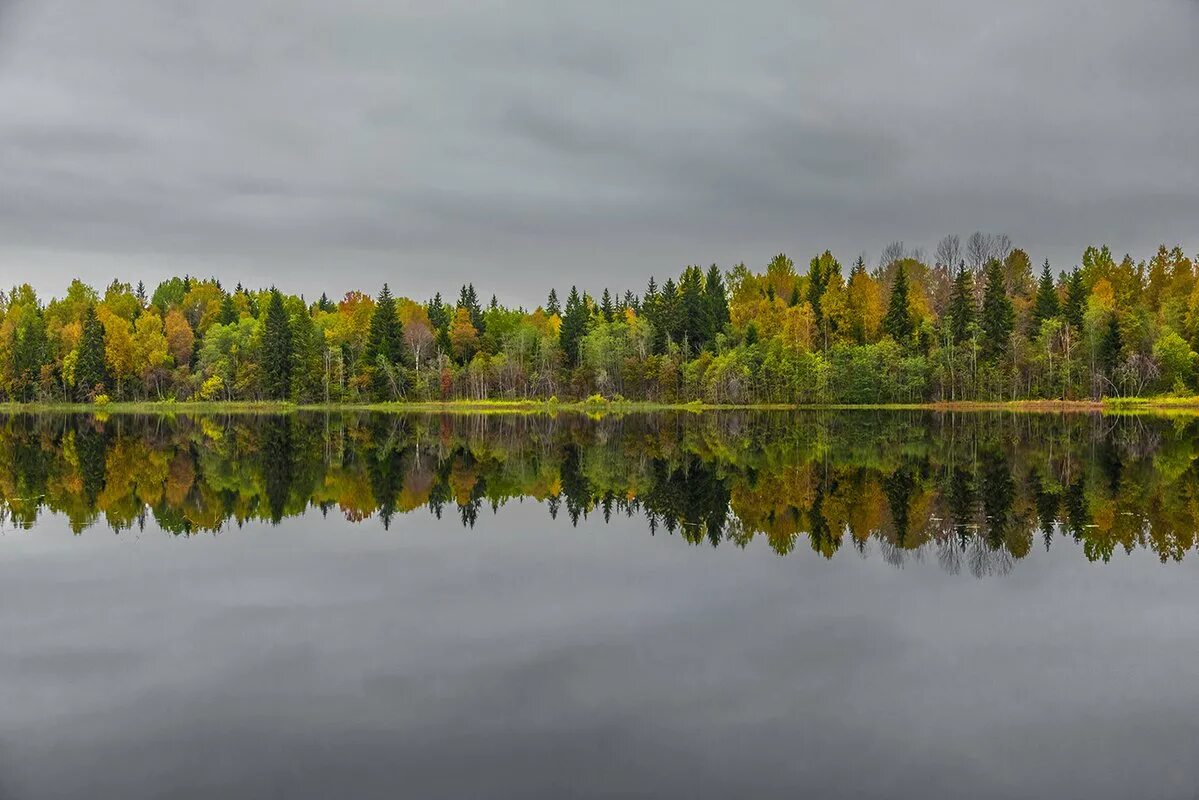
333, 146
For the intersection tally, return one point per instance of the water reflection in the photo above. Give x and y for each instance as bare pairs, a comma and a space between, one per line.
977, 492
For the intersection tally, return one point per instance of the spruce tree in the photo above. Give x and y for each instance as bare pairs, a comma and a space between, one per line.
695, 314
898, 321
1110, 346
717, 298
1076, 300
606, 305
551, 304
228, 314
1046, 305
276, 349
574, 326
91, 373
384, 346
961, 305
998, 317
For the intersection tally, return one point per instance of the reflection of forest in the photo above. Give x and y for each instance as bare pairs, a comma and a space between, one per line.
972, 490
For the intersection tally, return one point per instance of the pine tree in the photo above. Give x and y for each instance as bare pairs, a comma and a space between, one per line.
1046, 305
91, 373
717, 299
385, 349
898, 321
1076, 300
228, 314
574, 326
276, 349
606, 305
998, 317
961, 305
695, 313
1110, 346
470, 301
668, 324
551, 304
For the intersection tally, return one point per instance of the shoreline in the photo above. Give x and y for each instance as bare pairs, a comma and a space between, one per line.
1106, 406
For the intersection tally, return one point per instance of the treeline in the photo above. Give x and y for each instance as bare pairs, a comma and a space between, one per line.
972, 323
976, 490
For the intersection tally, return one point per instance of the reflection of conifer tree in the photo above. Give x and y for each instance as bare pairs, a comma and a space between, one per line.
898, 487
90, 448
575, 487
1047, 505
1077, 517
278, 463
998, 495
962, 502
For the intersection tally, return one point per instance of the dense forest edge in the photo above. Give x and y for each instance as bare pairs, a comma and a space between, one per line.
974, 324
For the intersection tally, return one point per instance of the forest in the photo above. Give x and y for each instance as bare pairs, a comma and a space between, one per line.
975, 322
977, 491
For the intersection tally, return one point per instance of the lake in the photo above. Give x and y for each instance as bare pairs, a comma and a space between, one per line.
728, 604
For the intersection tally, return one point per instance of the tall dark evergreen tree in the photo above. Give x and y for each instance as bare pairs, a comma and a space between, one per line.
1046, 305
551, 304
1110, 347
606, 307
961, 305
276, 349
717, 299
696, 315
470, 301
574, 326
1076, 300
228, 314
385, 351
668, 324
898, 321
91, 373
998, 317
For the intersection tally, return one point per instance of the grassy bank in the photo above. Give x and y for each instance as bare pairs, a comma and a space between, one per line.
592, 406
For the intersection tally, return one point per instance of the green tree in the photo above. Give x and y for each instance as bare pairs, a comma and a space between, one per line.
998, 317
961, 305
1046, 305
1076, 300
276, 349
91, 373
385, 349
898, 321
717, 298
574, 327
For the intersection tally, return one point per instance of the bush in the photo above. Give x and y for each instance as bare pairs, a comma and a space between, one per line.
101, 400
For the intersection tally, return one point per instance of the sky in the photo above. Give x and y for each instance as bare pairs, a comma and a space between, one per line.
331, 146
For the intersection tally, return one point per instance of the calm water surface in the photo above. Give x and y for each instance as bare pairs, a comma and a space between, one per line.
842, 605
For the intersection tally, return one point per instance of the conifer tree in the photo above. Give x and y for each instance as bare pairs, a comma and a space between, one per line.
961, 305
228, 314
91, 374
606, 305
998, 317
1046, 305
384, 347
1110, 346
717, 299
574, 326
276, 349
1076, 300
551, 304
898, 321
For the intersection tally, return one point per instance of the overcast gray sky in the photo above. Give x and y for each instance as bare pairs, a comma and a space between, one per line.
331, 146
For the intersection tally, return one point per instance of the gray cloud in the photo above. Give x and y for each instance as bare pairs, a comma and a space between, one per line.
523, 144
